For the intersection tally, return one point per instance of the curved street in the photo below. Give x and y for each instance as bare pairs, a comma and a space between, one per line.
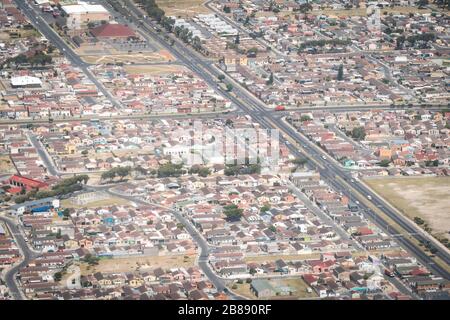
27, 255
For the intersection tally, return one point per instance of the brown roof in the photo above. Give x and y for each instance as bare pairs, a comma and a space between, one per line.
113, 31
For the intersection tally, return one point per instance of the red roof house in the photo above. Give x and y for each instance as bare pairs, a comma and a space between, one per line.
29, 184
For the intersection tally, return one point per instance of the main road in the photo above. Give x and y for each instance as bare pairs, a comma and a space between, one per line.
27, 255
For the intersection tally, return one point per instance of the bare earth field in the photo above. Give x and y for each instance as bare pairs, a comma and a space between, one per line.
97, 56
153, 69
424, 197
6, 165
113, 201
130, 264
182, 8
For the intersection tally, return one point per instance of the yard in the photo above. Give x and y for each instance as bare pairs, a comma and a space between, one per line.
296, 283
6, 165
182, 8
425, 197
130, 264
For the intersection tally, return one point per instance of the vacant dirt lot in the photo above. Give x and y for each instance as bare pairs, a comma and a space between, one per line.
97, 56
182, 8
153, 69
112, 201
6, 165
427, 198
131, 264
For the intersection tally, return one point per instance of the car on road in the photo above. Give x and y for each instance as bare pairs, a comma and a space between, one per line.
324, 158
389, 273
352, 180
369, 197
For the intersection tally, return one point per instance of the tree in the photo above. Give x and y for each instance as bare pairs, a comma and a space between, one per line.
340, 75
270, 81
90, 259
66, 212
84, 152
169, 170
237, 40
57, 276
232, 212
226, 9
305, 118
305, 8
264, 208
358, 133
229, 87
384, 163
300, 161
221, 77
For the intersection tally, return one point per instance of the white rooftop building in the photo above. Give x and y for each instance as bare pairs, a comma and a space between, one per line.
25, 81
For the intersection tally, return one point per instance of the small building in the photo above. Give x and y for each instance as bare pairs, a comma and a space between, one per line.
29, 184
26, 82
262, 288
40, 205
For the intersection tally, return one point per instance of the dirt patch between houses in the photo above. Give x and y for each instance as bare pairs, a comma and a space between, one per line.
130, 264
6, 165
112, 201
183, 8
424, 197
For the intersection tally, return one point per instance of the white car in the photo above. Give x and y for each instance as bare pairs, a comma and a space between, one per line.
324, 158
369, 197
